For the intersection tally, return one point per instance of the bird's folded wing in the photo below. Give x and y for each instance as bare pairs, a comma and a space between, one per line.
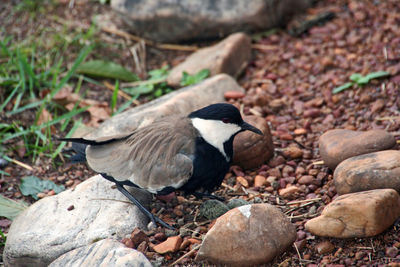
152, 157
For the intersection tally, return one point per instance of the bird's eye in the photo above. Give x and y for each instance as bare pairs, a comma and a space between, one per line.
226, 120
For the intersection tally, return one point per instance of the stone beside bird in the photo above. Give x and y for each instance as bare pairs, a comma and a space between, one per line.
188, 153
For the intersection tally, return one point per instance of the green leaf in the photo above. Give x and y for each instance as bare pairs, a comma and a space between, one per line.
161, 73
342, 88
139, 90
355, 77
188, 79
32, 185
378, 74
10, 208
106, 69
363, 80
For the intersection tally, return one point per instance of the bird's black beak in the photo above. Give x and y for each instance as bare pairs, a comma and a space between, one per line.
245, 126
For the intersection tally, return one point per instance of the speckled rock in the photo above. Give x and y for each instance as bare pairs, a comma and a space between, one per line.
212, 209
251, 150
359, 214
339, 144
246, 236
107, 252
229, 56
175, 21
50, 227
369, 171
236, 202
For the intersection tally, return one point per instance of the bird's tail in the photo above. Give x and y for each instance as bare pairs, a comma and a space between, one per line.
80, 153
79, 147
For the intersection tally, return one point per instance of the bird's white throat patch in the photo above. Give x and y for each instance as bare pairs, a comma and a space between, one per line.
216, 132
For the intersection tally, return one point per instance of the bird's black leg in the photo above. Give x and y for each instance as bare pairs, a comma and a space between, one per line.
152, 217
207, 195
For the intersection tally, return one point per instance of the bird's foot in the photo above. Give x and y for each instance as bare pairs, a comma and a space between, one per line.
157, 220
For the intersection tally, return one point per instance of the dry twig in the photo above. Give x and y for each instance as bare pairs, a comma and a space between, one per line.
188, 254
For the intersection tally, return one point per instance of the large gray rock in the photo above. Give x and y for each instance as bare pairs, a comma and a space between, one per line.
248, 235
174, 20
107, 252
182, 101
229, 56
74, 218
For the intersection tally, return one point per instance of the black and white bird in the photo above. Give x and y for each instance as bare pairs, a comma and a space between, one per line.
188, 153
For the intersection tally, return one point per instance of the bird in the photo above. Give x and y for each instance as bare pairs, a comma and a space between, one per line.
189, 153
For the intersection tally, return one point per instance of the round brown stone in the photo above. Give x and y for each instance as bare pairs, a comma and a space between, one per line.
250, 150
339, 144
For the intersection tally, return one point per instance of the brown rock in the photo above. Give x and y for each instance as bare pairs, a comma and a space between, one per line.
247, 236
252, 150
241, 180
306, 179
293, 152
324, 247
289, 191
370, 171
233, 94
338, 145
172, 244
138, 236
359, 214
259, 181
229, 56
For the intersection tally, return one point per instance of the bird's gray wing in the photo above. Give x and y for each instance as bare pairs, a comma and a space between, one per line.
152, 157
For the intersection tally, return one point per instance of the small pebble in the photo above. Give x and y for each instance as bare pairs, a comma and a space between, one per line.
324, 247
3, 163
392, 252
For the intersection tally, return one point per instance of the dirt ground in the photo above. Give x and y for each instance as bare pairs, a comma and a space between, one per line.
289, 82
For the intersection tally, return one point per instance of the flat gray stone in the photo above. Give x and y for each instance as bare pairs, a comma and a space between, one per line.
74, 218
174, 20
229, 56
181, 101
107, 252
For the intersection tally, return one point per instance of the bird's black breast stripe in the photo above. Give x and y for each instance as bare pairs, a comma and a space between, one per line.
209, 167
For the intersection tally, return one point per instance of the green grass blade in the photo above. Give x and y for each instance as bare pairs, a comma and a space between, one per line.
114, 97
8, 99
126, 105
28, 106
63, 117
106, 69
81, 57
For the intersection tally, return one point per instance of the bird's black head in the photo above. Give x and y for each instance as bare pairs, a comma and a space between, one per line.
221, 111
224, 112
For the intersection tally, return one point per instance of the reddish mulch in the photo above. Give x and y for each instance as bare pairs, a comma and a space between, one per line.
289, 82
